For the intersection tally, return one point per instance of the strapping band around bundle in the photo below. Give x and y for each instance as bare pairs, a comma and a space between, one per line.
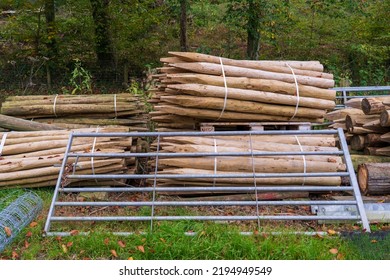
226, 89
304, 160
215, 161
2, 143
116, 113
297, 92
54, 105
92, 151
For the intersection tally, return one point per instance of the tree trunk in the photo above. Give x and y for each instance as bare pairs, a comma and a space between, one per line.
253, 29
103, 43
183, 25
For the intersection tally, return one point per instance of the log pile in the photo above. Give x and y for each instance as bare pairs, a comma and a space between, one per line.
193, 88
237, 165
77, 111
33, 159
367, 127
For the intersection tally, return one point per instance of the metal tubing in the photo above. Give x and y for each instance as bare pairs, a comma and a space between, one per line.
211, 189
204, 203
211, 176
202, 218
174, 155
353, 180
58, 185
201, 133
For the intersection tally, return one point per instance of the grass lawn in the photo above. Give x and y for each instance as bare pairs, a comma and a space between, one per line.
211, 242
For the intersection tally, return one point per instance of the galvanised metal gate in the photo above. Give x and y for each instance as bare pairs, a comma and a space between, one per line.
153, 202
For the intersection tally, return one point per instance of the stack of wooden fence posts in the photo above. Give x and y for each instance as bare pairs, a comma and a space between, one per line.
193, 88
33, 159
78, 111
246, 164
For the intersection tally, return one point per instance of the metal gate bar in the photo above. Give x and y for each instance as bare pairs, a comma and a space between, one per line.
211, 189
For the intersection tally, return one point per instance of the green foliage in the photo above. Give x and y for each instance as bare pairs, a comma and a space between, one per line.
81, 79
351, 38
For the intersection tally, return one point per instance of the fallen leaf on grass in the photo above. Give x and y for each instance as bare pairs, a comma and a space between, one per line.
340, 256
130, 259
374, 241
106, 241
74, 232
121, 244
58, 238
163, 240
318, 235
64, 248
15, 255
26, 244
141, 248
69, 244
8, 231
33, 224
29, 234
333, 251
331, 232
113, 252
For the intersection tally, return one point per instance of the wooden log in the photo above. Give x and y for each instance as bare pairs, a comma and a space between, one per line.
377, 151
233, 71
373, 106
354, 103
216, 114
241, 164
357, 142
233, 105
316, 181
23, 125
374, 140
253, 84
354, 124
374, 178
341, 114
385, 118
252, 95
385, 137
63, 110
306, 65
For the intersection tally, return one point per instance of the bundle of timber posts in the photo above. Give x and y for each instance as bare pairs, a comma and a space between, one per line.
194, 88
33, 159
75, 111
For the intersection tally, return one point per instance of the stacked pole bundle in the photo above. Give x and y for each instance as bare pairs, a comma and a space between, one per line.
78, 111
237, 165
33, 159
193, 88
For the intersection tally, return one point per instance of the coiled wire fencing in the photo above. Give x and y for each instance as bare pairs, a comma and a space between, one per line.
16, 215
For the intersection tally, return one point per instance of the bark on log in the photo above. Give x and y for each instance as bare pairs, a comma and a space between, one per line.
385, 118
17, 124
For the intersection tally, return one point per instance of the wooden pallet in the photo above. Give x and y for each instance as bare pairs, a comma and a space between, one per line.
255, 126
